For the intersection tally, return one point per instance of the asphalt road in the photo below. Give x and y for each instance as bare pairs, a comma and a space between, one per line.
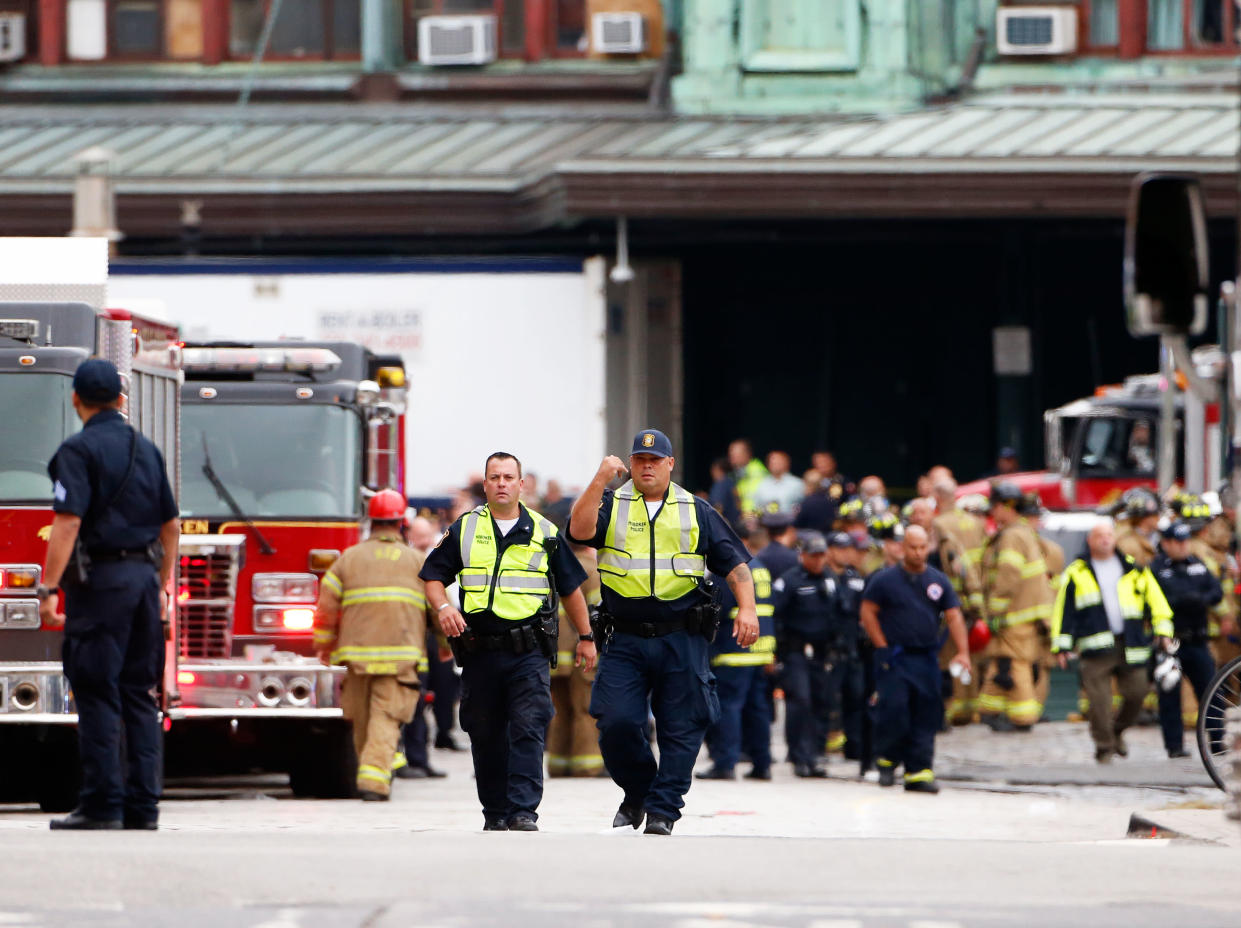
840, 853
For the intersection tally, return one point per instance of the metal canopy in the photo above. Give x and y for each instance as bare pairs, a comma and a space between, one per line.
528, 166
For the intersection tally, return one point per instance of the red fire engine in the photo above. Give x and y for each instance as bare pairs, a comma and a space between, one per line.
1100, 446
281, 443
41, 344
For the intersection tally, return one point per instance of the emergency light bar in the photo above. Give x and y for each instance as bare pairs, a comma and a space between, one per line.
23, 329
254, 360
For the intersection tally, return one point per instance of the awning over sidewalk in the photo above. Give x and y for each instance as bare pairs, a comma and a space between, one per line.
379, 169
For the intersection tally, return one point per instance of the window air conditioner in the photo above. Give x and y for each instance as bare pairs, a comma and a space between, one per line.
618, 33
1036, 30
12, 36
457, 40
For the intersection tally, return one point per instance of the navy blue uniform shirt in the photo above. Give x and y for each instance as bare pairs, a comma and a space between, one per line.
910, 605
716, 542
86, 471
444, 563
847, 605
804, 605
1191, 589
780, 559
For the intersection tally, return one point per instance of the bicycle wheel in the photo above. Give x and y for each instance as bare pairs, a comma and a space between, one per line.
1223, 693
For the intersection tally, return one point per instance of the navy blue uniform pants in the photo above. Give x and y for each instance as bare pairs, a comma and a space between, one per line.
506, 705
907, 709
414, 733
805, 705
846, 702
114, 659
671, 675
1198, 667
443, 682
745, 718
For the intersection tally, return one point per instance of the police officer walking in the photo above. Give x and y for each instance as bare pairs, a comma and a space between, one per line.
371, 618
111, 497
804, 614
845, 678
1191, 590
511, 568
741, 676
901, 611
656, 542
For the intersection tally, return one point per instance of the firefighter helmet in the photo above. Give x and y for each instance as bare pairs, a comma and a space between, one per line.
1139, 502
1031, 504
1002, 491
886, 527
386, 506
980, 636
1192, 508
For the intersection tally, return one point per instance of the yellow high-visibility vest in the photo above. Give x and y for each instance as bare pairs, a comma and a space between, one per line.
512, 585
640, 558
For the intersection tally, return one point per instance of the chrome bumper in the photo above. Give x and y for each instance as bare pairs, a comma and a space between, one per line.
35, 693
214, 689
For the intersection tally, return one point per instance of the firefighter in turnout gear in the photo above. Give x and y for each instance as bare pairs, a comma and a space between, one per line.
1139, 536
572, 739
1018, 597
960, 539
511, 567
1107, 610
371, 618
1053, 559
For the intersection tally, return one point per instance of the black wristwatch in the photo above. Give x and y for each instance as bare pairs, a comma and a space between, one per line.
45, 592
589, 636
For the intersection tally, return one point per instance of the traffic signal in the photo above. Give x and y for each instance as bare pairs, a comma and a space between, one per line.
1166, 270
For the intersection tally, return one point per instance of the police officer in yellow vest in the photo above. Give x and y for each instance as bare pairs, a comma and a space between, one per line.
656, 542
511, 566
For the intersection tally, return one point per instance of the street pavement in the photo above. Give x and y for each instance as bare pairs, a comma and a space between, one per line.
995, 848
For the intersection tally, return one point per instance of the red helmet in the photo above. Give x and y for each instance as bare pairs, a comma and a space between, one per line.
980, 636
386, 506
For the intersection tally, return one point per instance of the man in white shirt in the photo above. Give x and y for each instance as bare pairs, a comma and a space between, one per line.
780, 491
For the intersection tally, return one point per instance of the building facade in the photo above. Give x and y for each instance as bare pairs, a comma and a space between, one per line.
890, 227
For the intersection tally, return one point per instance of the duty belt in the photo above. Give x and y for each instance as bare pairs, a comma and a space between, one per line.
648, 629
130, 554
518, 640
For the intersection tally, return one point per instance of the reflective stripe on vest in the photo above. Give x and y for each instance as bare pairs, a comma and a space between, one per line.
637, 561
511, 585
1087, 592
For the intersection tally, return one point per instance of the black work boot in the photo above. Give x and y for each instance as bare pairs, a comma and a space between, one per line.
627, 814
658, 825
77, 821
522, 821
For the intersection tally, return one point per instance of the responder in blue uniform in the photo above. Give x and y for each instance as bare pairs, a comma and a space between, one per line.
111, 496
510, 565
778, 554
804, 613
741, 681
656, 542
846, 684
1191, 590
901, 613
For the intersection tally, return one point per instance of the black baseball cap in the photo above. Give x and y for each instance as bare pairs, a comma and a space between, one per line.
812, 542
97, 381
1178, 531
652, 441
840, 540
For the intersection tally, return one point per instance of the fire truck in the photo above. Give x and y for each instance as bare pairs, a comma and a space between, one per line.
282, 442
41, 345
1100, 446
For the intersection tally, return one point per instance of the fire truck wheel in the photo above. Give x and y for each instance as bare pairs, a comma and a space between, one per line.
326, 766
60, 775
